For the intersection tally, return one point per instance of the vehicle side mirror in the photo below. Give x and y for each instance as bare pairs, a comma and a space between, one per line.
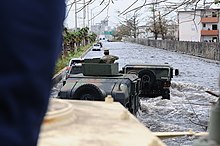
176, 72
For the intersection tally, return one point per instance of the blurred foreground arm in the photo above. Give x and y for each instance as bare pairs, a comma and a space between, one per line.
30, 42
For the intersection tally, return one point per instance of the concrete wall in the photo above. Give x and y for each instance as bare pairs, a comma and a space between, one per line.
200, 49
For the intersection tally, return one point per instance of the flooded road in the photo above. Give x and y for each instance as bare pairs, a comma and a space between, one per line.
189, 106
200, 72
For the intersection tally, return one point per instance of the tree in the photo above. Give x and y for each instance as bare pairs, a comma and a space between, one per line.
84, 31
122, 30
133, 23
158, 26
72, 40
92, 37
129, 26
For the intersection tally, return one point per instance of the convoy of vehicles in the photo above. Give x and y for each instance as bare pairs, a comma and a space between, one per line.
89, 79
98, 80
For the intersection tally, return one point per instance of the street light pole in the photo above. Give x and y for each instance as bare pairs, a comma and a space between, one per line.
92, 17
75, 15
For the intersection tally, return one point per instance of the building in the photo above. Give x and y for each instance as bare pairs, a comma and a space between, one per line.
99, 28
103, 31
200, 25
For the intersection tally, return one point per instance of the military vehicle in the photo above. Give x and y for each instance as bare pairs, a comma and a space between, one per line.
74, 67
98, 80
155, 79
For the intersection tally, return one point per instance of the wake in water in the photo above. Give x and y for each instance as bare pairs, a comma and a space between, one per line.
187, 110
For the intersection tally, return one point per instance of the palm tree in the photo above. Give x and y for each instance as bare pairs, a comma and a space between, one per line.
66, 41
84, 31
78, 39
92, 37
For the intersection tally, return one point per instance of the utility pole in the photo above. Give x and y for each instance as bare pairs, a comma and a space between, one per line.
91, 18
154, 21
88, 15
161, 26
84, 13
75, 15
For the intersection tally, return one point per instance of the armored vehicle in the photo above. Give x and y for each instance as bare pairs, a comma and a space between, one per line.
98, 80
155, 79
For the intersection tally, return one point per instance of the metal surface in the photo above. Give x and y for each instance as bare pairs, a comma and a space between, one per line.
97, 124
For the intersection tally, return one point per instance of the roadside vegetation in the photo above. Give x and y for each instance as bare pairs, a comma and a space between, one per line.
75, 43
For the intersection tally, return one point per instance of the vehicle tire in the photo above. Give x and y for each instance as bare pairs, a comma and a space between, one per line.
166, 94
148, 77
88, 92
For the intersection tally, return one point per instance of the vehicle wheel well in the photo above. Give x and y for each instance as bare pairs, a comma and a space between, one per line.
132, 72
88, 92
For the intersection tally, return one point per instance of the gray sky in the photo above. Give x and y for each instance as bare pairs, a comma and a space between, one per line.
111, 13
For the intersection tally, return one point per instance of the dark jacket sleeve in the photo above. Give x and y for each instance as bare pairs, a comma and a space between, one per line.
30, 42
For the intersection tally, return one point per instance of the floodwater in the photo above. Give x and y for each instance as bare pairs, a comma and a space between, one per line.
188, 109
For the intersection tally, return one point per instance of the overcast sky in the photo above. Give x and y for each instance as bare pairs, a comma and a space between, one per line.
111, 13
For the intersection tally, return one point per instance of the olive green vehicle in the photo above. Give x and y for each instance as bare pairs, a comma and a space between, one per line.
155, 79
98, 80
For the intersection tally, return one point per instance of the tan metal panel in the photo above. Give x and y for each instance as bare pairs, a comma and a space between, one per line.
93, 123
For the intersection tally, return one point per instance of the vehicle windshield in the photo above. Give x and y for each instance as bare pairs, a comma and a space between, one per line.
161, 72
75, 61
76, 69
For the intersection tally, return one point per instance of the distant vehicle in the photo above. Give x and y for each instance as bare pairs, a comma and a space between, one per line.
74, 66
100, 43
98, 80
155, 79
96, 47
102, 38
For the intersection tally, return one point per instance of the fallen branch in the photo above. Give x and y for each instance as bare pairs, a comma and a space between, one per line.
212, 93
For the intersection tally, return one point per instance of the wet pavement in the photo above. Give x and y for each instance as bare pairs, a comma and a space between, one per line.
189, 106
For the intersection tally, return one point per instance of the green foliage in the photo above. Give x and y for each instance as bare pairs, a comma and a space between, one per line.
62, 62
75, 43
92, 37
216, 1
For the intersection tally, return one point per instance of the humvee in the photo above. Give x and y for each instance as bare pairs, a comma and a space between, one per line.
155, 79
98, 80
